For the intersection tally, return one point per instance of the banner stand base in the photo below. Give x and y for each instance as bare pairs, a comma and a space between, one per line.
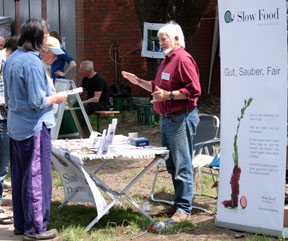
283, 233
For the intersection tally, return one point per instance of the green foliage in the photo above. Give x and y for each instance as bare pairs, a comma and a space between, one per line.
72, 220
183, 227
207, 183
8, 177
121, 221
56, 179
161, 186
235, 154
258, 237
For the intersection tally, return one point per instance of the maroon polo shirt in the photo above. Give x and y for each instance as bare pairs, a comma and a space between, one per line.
178, 71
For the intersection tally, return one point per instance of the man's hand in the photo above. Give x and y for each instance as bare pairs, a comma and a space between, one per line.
60, 97
131, 77
84, 95
137, 81
59, 73
5, 109
160, 94
73, 77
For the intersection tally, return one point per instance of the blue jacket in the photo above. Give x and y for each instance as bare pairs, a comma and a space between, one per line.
26, 91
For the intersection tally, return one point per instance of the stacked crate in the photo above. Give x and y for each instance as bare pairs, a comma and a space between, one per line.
146, 115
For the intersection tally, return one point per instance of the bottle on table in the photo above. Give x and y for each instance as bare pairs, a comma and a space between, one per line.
167, 224
146, 205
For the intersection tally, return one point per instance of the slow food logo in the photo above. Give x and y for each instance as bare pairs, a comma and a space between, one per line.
263, 16
228, 17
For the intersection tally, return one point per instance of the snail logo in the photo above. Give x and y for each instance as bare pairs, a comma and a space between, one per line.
228, 17
65, 164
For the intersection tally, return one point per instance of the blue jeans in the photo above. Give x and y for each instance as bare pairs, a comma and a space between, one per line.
4, 154
177, 135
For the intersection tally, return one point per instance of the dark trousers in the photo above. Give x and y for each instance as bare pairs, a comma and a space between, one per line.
92, 106
32, 182
4, 155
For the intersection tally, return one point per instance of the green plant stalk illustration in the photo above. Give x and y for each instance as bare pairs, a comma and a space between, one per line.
235, 154
234, 181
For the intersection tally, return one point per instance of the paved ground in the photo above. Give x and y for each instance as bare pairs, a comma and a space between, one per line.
6, 231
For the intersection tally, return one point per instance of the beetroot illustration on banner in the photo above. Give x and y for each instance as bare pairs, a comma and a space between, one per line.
243, 202
234, 181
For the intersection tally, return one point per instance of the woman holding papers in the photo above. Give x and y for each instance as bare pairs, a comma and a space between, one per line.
29, 99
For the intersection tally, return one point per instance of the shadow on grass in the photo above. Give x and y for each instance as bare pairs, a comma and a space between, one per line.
200, 205
79, 215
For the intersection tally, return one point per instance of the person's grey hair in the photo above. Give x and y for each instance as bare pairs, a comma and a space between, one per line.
88, 65
2, 38
173, 29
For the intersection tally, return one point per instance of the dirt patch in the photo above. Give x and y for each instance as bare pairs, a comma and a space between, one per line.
122, 171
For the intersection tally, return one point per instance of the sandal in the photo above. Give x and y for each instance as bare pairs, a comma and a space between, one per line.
7, 220
4, 219
7, 184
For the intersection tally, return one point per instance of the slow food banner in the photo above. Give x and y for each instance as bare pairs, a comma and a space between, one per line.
253, 114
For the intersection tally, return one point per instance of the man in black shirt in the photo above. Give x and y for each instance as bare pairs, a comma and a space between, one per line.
96, 88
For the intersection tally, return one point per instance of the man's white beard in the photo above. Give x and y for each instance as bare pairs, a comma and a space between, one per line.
168, 51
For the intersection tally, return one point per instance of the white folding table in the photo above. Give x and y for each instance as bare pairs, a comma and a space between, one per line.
81, 184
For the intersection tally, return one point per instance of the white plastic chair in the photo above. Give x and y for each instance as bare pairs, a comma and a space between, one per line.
202, 166
205, 142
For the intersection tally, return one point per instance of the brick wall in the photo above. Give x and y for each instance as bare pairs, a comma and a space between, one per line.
100, 25
17, 17
44, 9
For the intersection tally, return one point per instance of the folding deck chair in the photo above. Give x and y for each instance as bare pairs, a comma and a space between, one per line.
205, 142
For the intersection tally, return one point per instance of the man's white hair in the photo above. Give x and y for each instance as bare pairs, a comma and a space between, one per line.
2, 38
172, 29
88, 65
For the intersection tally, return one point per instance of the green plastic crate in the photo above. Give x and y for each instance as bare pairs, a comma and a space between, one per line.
122, 103
146, 115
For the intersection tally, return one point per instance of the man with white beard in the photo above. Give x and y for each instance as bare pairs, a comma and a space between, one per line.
175, 92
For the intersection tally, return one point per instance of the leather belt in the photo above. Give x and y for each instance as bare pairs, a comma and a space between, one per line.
171, 114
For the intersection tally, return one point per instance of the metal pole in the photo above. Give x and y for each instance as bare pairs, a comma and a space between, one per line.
116, 45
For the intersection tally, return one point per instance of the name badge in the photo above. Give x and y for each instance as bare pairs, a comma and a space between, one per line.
165, 76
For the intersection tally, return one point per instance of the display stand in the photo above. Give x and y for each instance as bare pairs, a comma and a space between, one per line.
69, 104
251, 189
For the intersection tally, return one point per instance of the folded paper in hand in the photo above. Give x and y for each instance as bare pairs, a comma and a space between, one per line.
73, 91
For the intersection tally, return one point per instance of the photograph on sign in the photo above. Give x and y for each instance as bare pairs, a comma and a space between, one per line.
151, 47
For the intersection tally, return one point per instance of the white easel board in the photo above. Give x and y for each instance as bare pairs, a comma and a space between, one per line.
66, 85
